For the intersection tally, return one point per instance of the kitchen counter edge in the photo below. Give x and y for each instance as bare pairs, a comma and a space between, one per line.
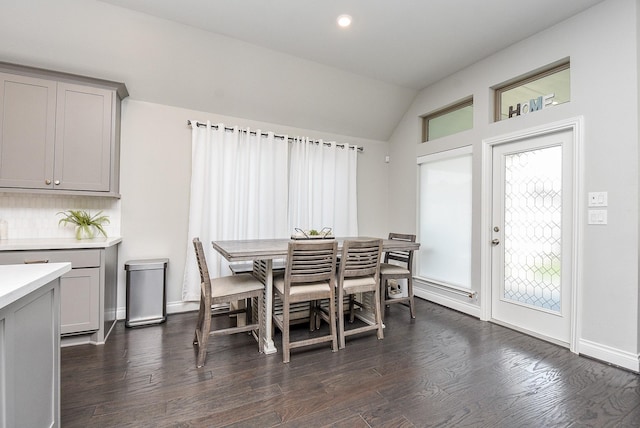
20, 280
57, 243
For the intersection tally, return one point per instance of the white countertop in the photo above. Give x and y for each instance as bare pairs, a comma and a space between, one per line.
57, 243
16, 281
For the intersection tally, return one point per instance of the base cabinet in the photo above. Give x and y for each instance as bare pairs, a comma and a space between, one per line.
80, 301
88, 296
30, 360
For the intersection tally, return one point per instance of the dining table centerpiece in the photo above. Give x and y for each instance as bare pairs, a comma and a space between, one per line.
324, 233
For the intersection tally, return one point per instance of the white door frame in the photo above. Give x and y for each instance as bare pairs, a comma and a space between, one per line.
575, 125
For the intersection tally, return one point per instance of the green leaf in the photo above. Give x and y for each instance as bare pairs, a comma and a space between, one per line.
83, 220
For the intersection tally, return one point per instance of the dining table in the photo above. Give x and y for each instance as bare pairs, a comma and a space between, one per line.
263, 252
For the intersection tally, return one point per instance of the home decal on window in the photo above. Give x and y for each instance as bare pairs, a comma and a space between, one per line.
534, 104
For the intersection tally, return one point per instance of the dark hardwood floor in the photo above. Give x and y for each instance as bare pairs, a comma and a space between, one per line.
443, 369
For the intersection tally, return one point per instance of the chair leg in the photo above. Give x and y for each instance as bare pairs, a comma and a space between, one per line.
352, 313
332, 321
341, 317
204, 337
318, 316
199, 323
410, 294
248, 308
315, 320
285, 331
378, 314
261, 323
382, 293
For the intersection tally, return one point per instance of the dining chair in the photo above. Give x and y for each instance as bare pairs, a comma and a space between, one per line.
359, 272
397, 264
225, 290
309, 276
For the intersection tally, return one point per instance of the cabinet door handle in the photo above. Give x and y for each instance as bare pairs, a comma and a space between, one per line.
47, 181
57, 182
34, 262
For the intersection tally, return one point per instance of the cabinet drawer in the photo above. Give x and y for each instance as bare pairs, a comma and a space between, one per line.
77, 258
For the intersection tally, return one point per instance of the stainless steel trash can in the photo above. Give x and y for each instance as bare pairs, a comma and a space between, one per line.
146, 292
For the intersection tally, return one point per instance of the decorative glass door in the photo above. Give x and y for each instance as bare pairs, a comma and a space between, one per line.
531, 236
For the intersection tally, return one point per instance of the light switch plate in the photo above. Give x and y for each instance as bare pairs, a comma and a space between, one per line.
598, 199
597, 217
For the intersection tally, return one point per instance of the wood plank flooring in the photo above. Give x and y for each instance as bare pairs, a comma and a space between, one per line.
445, 369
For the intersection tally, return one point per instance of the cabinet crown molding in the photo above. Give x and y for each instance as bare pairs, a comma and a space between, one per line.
61, 76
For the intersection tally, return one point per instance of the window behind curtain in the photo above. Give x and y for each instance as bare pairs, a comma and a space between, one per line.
444, 230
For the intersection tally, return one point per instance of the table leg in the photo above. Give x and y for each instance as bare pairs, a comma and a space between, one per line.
263, 269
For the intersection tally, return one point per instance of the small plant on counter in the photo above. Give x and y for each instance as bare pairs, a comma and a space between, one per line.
84, 222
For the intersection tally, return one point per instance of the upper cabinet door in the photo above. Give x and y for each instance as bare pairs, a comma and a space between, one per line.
83, 138
27, 131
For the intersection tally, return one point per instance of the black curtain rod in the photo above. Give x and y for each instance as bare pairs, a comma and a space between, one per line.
282, 137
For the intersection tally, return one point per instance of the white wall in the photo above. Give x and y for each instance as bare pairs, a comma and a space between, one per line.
602, 45
155, 179
173, 73
173, 64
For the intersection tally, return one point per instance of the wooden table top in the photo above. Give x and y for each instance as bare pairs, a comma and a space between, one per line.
265, 249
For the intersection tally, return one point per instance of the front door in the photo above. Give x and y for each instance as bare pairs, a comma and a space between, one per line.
531, 256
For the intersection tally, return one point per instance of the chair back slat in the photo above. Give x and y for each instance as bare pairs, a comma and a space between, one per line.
360, 258
402, 256
311, 261
205, 279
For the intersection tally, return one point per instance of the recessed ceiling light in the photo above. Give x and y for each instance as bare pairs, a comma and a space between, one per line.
344, 20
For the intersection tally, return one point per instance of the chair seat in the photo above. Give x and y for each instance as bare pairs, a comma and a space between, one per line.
366, 281
391, 269
234, 284
308, 288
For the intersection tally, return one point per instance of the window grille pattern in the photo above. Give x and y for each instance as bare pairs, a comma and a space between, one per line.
532, 239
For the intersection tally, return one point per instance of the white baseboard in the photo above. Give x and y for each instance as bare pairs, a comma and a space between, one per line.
624, 359
172, 308
440, 299
178, 307
607, 354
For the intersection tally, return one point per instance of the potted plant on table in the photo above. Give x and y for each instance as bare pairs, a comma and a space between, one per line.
86, 224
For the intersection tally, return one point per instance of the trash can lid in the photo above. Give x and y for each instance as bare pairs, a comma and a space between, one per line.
146, 264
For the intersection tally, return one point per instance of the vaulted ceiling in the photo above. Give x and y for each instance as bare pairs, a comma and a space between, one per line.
409, 43
280, 62
396, 47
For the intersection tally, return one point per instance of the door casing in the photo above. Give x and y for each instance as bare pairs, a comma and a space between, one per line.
576, 126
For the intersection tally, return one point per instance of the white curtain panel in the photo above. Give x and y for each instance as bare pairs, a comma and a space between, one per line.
238, 191
322, 187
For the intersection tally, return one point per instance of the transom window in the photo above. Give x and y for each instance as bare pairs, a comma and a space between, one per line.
448, 121
534, 92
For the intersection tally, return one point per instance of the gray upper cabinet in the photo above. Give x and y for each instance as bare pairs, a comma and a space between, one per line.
83, 138
27, 121
58, 132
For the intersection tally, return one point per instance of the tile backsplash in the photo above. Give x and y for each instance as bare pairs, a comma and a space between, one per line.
35, 216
